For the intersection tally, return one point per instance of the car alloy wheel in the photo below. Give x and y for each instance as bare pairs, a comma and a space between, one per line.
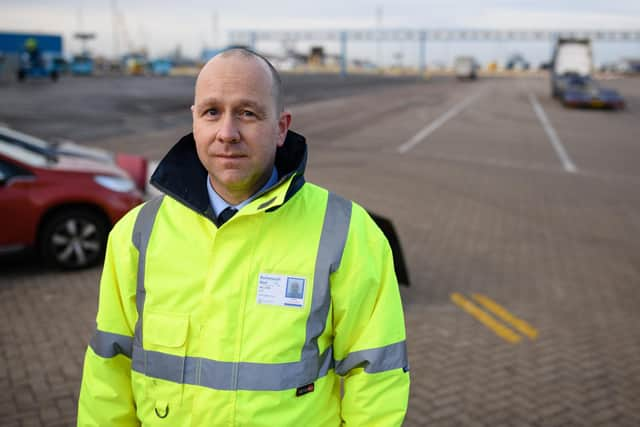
74, 239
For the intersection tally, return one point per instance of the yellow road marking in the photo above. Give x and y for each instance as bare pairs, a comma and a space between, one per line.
491, 323
503, 314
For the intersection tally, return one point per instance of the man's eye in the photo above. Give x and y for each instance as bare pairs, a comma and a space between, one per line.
247, 113
211, 112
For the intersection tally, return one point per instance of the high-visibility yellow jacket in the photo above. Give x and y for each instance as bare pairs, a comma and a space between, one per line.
252, 323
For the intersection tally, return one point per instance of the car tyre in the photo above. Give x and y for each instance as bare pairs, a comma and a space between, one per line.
73, 239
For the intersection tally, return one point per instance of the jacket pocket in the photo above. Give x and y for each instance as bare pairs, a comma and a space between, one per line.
164, 337
165, 332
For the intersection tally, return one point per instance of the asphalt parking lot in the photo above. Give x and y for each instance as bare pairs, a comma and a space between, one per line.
519, 219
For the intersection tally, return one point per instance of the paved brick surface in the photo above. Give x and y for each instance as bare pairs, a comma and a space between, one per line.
485, 207
46, 320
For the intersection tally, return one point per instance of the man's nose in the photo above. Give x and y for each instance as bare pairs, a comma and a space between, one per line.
228, 131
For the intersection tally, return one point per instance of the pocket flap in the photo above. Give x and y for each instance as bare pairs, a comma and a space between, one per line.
167, 330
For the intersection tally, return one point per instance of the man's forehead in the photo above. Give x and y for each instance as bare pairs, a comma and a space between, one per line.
236, 72
240, 68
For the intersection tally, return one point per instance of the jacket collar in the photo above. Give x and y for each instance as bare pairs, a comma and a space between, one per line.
181, 175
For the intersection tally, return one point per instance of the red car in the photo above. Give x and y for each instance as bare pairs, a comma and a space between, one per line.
64, 206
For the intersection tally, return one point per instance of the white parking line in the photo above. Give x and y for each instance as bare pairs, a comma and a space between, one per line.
433, 126
567, 164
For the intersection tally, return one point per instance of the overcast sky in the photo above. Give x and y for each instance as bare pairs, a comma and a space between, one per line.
161, 25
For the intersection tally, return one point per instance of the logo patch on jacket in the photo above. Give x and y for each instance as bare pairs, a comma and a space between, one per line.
304, 389
277, 289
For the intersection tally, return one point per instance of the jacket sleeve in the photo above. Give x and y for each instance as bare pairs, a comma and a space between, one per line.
369, 332
106, 397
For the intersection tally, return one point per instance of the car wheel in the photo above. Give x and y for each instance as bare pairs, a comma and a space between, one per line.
74, 239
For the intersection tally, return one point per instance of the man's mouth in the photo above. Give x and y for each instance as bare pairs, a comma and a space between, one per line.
230, 155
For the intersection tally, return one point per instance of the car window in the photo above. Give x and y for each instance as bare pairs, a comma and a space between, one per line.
4, 172
9, 170
22, 154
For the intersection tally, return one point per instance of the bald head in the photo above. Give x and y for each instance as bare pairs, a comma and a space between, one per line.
245, 54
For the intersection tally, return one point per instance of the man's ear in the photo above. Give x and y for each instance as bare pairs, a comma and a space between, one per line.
283, 127
192, 108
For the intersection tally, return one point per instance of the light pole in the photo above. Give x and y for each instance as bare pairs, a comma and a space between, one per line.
379, 13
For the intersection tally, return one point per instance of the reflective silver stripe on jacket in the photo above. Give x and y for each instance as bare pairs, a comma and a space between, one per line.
231, 375
242, 375
107, 345
335, 228
141, 235
374, 360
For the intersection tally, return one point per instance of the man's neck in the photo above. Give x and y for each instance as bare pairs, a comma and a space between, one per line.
236, 198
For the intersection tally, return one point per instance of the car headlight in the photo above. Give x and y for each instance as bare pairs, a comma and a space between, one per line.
115, 183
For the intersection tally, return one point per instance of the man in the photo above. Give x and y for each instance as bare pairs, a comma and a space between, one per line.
194, 323
31, 48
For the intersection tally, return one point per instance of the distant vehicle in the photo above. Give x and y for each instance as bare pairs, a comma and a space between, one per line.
60, 65
634, 66
135, 166
465, 67
581, 91
81, 65
63, 206
135, 64
571, 58
36, 67
627, 66
161, 67
571, 81
517, 62
544, 66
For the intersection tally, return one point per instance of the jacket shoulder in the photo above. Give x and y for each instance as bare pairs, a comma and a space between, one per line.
314, 189
358, 213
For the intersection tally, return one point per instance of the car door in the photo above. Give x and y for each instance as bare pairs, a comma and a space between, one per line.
18, 218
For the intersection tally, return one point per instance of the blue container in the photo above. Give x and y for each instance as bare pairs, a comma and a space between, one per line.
161, 67
14, 42
81, 66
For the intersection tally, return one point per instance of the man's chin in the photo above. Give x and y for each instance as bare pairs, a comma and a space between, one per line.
236, 183
234, 179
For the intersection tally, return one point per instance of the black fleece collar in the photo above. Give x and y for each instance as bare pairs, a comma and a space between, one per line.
181, 175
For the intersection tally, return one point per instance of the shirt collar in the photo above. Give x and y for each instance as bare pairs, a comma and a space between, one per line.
219, 204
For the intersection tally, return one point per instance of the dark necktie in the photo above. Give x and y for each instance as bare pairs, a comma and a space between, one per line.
226, 215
